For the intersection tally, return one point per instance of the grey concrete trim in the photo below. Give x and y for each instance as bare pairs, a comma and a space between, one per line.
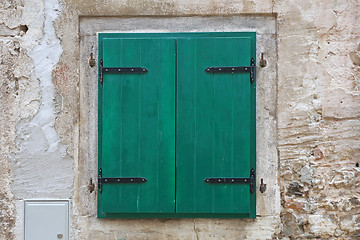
263, 24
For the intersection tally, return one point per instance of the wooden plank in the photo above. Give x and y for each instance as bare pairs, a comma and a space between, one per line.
138, 116
213, 125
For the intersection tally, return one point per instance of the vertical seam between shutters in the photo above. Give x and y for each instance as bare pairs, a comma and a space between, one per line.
195, 145
139, 138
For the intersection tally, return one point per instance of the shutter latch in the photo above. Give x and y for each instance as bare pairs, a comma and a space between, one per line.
250, 69
250, 180
102, 180
103, 70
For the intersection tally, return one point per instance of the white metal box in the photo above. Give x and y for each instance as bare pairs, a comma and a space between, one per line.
46, 220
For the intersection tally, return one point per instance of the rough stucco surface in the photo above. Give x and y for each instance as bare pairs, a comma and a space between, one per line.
317, 113
319, 118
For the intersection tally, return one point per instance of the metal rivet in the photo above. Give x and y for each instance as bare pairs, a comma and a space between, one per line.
118, 180
119, 70
106, 70
245, 68
105, 180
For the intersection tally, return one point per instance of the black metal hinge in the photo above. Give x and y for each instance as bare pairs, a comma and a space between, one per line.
102, 180
250, 69
250, 180
103, 70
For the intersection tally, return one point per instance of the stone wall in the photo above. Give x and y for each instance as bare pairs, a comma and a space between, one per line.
315, 117
319, 119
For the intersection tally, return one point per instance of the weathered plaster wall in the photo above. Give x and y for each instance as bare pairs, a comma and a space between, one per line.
317, 113
319, 118
34, 162
19, 95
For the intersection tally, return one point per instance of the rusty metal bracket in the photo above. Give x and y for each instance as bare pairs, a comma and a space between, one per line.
263, 62
91, 60
91, 186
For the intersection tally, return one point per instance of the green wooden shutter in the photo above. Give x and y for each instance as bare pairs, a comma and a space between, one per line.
214, 131
137, 126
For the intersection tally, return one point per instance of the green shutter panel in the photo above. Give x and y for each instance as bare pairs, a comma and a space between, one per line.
215, 126
137, 126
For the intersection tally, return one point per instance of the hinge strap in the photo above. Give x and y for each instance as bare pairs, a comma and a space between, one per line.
127, 70
250, 180
101, 71
250, 69
102, 180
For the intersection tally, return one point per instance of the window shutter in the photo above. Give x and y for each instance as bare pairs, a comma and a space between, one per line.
214, 133
177, 125
136, 126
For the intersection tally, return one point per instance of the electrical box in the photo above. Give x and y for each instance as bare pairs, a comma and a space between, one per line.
46, 220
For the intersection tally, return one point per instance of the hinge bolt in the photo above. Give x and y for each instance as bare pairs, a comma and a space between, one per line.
91, 60
262, 186
91, 186
263, 62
